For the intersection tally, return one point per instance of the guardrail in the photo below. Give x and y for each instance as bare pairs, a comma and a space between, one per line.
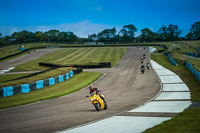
171, 59
26, 88
194, 71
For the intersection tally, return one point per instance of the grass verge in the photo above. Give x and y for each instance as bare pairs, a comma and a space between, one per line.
11, 76
185, 122
74, 84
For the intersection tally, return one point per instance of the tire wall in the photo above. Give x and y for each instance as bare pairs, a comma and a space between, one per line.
26, 88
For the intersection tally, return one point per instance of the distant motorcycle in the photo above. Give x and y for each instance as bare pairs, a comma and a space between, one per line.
142, 60
148, 65
142, 69
144, 56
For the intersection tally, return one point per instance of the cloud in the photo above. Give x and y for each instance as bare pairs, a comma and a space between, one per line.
81, 29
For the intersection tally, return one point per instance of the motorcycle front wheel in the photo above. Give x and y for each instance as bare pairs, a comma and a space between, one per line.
97, 106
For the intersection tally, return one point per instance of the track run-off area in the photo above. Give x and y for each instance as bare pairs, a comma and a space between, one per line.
124, 87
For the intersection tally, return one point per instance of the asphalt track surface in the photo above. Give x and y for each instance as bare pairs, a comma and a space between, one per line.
124, 88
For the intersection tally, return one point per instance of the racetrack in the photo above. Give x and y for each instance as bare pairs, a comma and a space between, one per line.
124, 88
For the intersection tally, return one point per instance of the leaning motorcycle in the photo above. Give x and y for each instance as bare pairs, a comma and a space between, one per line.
97, 101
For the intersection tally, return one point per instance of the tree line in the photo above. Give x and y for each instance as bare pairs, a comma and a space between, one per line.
126, 34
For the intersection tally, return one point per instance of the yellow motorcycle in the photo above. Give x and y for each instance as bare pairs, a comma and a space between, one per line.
98, 102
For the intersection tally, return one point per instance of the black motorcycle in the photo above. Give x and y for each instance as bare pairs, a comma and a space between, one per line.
148, 65
144, 56
142, 69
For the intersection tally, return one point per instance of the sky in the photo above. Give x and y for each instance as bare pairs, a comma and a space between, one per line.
85, 17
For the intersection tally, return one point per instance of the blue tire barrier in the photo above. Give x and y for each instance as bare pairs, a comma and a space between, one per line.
198, 49
198, 76
71, 73
51, 81
192, 54
39, 84
25, 88
193, 70
8, 91
171, 60
196, 73
61, 78
67, 76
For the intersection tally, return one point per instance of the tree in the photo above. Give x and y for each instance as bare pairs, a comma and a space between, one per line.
163, 33
170, 33
189, 36
147, 34
1, 40
173, 32
71, 37
128, 32
62, 37
38, 36
93, 37
52, 35
107, 35
195, 31
23, 37
7, 40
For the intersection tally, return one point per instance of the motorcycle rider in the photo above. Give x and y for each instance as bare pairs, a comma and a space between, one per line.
142, 60
148, 65
142, 68
144, 56
98, 92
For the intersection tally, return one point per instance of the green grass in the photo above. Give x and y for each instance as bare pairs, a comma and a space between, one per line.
185, 122
74, 84
5, 51
73, 56
194, 44
11, 76
180, 58
49, 74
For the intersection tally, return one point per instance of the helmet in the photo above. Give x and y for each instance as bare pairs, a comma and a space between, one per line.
90, 87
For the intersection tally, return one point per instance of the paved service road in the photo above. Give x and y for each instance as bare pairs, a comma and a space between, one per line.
24, 58
124, 88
